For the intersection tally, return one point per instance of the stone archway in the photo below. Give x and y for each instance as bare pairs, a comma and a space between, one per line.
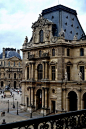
39, 99
84, 100
72, 101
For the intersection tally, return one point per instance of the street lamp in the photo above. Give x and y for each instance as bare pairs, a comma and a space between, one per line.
43, 111
13, 101
17, 107
31, 112
8, 107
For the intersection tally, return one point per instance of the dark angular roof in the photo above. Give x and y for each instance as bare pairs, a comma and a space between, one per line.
10, 52
59, 7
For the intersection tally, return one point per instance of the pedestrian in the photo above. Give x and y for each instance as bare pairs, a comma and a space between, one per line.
3, 121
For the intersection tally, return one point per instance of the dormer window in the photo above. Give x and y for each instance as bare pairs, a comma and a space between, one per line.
41, 36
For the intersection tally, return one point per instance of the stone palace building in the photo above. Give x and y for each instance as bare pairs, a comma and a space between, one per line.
10, 68
54, 63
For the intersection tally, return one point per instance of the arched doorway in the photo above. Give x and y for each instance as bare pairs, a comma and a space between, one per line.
39, 99
84, 101
72, 97
14, 84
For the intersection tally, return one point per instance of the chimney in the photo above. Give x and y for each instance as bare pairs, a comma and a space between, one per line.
3, 53
18, 51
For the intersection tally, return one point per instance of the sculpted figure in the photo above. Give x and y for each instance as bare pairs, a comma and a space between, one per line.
80, 76
26, 40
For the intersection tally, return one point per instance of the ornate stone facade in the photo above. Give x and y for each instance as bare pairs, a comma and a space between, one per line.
10, 68
51, 65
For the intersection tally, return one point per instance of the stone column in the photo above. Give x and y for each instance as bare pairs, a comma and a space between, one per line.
64, 99
29, 71
42, 96
43, 70
45, 97
50, 72
79, 102
36, 72
32, 95
46, 70
32, 71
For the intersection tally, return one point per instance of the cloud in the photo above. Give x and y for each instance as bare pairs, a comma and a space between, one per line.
17, 16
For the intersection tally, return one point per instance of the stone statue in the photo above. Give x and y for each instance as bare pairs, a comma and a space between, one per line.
62, 33
65, 76
80, 76
26, 39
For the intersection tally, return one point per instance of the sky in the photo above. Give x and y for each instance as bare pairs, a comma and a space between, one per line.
17, 16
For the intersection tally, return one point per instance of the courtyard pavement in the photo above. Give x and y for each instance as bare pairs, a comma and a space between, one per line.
12, 115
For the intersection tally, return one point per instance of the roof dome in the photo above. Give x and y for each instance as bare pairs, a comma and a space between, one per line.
10, 52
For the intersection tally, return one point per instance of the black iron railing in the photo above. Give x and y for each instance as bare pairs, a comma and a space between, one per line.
70, 120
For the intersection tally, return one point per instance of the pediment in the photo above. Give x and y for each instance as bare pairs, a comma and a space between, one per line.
41, 22
14, 58
80, 63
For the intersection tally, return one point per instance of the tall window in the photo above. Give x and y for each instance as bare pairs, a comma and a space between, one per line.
40, 53
27, 72
28, 55
19, 75
81, 51
68, 73
53, 52
14, 75
68, 52
40, 71
9, 75
41, 36
53, 72
9, 63
19, 64
14, 63
82, 71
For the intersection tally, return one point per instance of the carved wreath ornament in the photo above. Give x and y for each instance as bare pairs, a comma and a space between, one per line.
54, 39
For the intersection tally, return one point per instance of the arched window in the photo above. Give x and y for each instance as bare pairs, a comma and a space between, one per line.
40, 53
40, 71
53, 52
14, 75
41, 36
68, 52
81, 51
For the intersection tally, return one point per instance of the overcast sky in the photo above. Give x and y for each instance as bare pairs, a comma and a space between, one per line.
17, 16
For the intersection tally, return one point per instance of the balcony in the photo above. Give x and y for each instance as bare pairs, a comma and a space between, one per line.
70, 120
31, 57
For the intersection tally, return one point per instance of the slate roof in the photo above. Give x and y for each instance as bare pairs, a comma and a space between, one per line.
10, 53
65, 19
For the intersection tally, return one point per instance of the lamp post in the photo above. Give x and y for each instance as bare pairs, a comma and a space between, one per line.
17, 107
31, 112
13, 101
43, 111
8, 107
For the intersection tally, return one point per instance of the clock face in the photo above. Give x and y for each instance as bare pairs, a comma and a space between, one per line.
54, 39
